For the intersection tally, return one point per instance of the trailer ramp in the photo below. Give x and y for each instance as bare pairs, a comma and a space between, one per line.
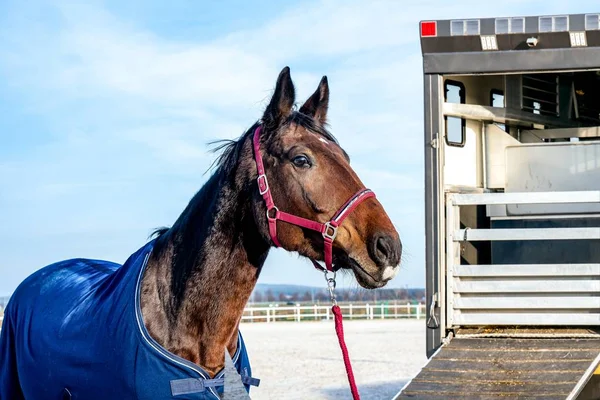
501, 367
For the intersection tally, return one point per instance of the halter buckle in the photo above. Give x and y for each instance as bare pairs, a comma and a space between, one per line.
330, 231
264, 183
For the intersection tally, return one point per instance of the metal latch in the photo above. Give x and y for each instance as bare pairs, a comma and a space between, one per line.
435, 142
446, 341
432, 322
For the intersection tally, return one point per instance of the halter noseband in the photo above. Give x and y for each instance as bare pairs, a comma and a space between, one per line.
327, 229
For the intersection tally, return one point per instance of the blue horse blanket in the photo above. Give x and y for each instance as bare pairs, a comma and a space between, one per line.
74, 330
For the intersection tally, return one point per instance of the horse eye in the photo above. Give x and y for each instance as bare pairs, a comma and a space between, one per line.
301, 161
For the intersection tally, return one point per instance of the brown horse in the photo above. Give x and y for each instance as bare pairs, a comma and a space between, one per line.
156, 326
203, 269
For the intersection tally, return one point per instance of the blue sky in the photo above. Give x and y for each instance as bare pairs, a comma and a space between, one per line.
107, 109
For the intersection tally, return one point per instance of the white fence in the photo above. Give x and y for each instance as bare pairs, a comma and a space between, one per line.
319, 312
323, 312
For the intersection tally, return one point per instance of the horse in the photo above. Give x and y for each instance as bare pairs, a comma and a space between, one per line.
158, 325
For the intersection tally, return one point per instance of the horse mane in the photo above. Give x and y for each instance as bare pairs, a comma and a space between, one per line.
229, 150
158, 232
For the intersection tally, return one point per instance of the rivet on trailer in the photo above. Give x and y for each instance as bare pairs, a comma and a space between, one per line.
512, 181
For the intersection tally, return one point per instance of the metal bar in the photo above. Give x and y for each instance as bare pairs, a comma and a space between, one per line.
513, 91
504, 286
584, 379
540, 111
539, 90
521, 270
552, 103
538, 217
541, 319
511, 61
526, 234
565, 132
484, 135
452, 254
527, 302
584, 196
434, 225
502, 115
540, 78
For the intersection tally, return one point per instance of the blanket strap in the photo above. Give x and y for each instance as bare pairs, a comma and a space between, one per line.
193, 385
248, 380
198, 385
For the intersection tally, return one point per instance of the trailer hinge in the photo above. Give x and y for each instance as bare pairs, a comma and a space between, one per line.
432, 322
448, 339
435, 142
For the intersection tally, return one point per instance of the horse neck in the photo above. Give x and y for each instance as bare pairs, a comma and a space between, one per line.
203, 272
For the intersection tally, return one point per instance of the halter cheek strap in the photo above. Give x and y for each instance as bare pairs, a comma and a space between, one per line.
327, 229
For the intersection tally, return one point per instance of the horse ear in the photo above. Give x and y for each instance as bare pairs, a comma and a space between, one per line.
316, 106
280, 106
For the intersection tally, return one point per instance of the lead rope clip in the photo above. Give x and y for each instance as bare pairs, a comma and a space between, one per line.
330, 286
339, 330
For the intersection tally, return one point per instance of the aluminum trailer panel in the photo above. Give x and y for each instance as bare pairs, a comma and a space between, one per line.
511, 44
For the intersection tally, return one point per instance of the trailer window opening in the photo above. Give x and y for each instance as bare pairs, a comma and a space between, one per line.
454, 92
586, 104
497, 100
540, 94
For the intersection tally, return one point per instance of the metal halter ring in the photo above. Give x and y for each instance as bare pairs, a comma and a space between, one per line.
276, 212
330, 228
330, 281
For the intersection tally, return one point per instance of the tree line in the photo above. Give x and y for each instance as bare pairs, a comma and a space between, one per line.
322, 295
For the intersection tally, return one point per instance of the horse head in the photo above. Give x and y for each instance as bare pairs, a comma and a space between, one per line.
309, 176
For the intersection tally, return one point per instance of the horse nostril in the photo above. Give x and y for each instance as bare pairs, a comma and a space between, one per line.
387, 250
382, 248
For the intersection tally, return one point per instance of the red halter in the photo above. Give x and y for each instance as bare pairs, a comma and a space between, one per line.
328, 229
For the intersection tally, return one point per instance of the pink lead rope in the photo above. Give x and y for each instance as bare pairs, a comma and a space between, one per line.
329, 232
339, 329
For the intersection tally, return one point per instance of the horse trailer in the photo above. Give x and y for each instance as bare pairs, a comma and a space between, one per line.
512, 197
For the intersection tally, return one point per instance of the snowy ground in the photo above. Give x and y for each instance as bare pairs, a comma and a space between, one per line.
302, 360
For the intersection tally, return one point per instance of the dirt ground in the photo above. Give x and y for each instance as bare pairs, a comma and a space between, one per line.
302, 360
